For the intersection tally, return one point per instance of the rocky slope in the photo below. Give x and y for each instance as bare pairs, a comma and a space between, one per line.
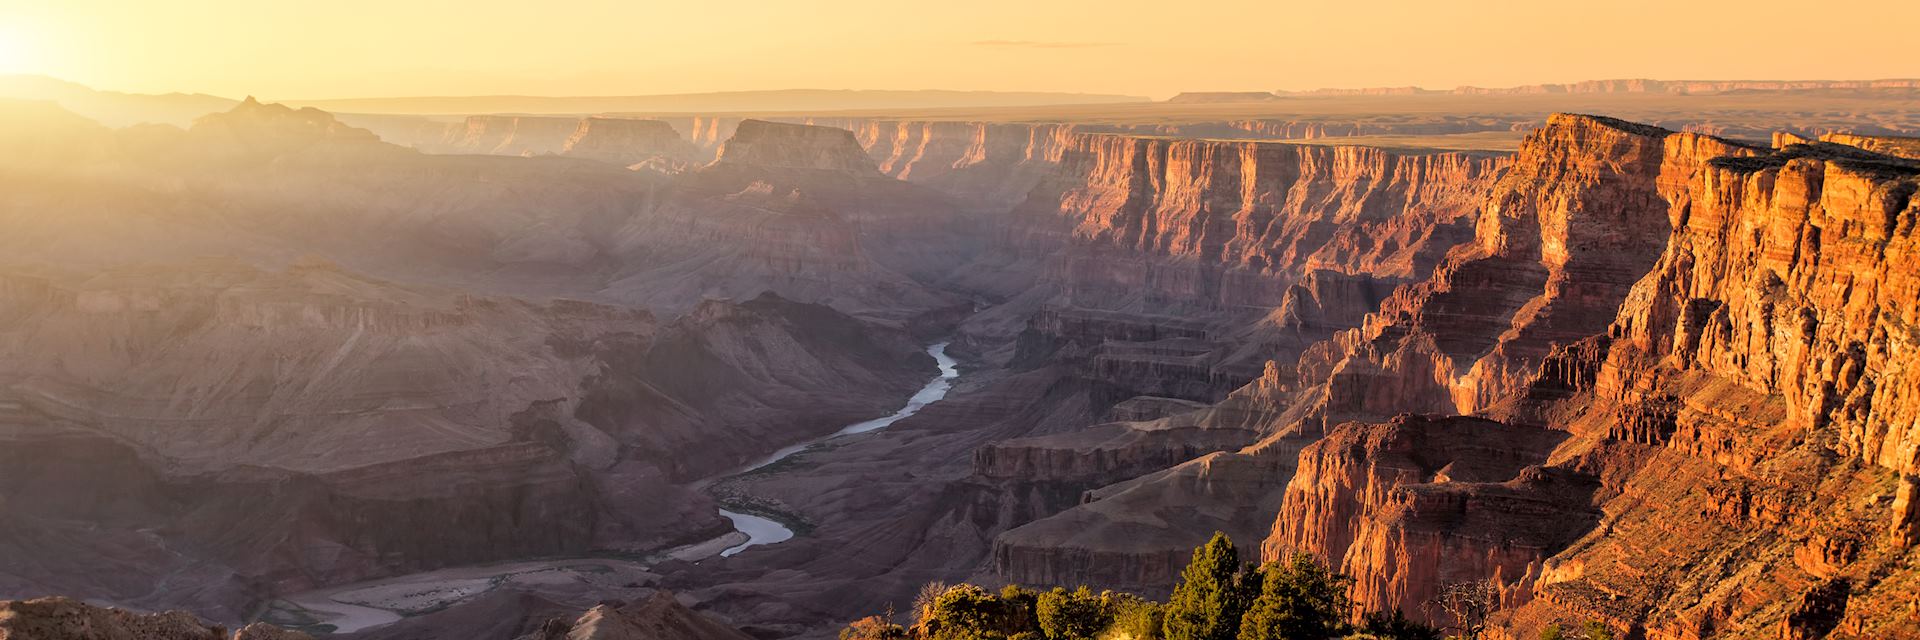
278, 422
1556, 247
1564, 242
801, 211
67, 619
1735, 387
1758, 373
659, 617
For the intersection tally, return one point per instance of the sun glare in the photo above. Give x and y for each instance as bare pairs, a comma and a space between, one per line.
17, 53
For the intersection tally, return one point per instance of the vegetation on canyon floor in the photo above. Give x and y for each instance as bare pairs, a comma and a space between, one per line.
1218, 598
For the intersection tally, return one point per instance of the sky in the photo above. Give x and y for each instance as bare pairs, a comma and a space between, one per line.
387, 48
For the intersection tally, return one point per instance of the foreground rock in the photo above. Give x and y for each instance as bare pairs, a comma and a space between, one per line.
68, 619
659, 617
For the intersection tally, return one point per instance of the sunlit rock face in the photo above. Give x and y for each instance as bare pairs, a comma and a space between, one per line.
1732, 401
1562, 238
1618, 309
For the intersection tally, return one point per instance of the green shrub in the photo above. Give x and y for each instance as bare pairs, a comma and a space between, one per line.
1073, 615
1134, 618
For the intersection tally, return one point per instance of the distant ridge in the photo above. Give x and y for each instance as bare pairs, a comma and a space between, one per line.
1631, 85
113, 108
725, 101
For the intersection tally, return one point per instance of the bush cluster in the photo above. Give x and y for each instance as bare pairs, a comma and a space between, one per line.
1218, 598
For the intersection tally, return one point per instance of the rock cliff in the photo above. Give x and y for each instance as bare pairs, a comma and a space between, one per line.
1749, 371
1759, 369
1557, 245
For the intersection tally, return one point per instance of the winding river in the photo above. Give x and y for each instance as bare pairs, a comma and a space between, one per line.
761, 530
354, 607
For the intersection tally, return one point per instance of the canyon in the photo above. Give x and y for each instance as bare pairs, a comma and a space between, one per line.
1658, 375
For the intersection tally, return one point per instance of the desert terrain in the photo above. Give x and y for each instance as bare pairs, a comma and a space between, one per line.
1641, 354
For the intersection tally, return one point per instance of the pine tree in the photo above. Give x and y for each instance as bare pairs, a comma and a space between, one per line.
1210, 599
1300, 599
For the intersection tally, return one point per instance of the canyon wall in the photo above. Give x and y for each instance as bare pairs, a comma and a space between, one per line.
1744, 384
380, 373
1762, 369
1557, 245
1171, 224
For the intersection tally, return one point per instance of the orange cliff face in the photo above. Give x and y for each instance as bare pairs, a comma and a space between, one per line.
1216, 224
1297, 240
1765, 366
1740, 432
1686, 341
1557, 245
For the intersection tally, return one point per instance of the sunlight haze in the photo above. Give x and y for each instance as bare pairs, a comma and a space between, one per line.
366, 48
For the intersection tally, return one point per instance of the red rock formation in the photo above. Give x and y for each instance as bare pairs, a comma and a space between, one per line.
1746, 414
1413, 504
1232, 224
1581, 216
509, 135
1634, 85
1896, 146
1772, 326
627, 141
775, 145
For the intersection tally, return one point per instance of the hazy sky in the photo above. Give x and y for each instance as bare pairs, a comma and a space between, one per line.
360, 48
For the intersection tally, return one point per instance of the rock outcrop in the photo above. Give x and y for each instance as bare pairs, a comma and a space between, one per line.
800, 211
1560, 241
1739, 429
509, 135
776, 145
67, 619
1765, 350
1172, 224
1413, 504
659, 617
627, 142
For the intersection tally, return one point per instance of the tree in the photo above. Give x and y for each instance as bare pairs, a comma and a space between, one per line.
1468, 604
1211, 597
1590, 630
1073, 615
1300, 599
873, 628
1395, 626
1135, 618
923, 600
963, 612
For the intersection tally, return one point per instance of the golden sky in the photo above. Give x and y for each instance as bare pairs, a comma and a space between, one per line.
296, 49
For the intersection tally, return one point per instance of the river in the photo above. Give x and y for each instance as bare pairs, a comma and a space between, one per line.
375, 603
761, 530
